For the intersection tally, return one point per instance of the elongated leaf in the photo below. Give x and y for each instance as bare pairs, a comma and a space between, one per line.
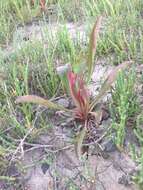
109, 81
79, 94
79, 142
92, 46
41, 101
42, 4
73, 79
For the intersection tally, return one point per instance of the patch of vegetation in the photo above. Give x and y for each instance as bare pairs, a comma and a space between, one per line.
138, 154
124, 105
30, 68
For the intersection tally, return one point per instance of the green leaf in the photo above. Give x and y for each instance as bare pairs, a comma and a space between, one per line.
41, 101
109, 81
92, 46
79, 142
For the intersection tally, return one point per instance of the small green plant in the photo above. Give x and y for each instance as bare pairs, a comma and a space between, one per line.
84, 106
138, 178
124, 104
138, 154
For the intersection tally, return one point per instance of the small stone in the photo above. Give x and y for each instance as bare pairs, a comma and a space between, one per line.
72, 104
61, 70
64, 124
124, 180
13, 170
63, 102
109, 146
105, 155
44, 167
106, 123
68, 123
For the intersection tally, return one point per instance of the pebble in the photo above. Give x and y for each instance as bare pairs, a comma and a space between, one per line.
109, 145
124, 180
63, 102
44, 167
61, 70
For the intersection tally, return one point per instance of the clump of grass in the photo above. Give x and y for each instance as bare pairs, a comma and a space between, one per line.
13, 13
138, 178
67, 46
71, 12
6, 22
138, 154
28, 76
124, 105
29, 70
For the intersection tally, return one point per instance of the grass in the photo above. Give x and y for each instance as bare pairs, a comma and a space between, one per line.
124, 105
29, 66
139, 176
138, 155
25, 74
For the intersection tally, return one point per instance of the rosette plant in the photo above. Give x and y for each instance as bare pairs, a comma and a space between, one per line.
84, 106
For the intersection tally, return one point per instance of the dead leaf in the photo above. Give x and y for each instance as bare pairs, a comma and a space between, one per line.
41, 101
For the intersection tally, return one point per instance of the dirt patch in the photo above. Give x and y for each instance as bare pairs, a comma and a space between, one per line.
62, 170
50, 162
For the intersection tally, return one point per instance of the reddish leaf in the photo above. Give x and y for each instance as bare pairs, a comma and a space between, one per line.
92, 46
79, 94
43, 4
